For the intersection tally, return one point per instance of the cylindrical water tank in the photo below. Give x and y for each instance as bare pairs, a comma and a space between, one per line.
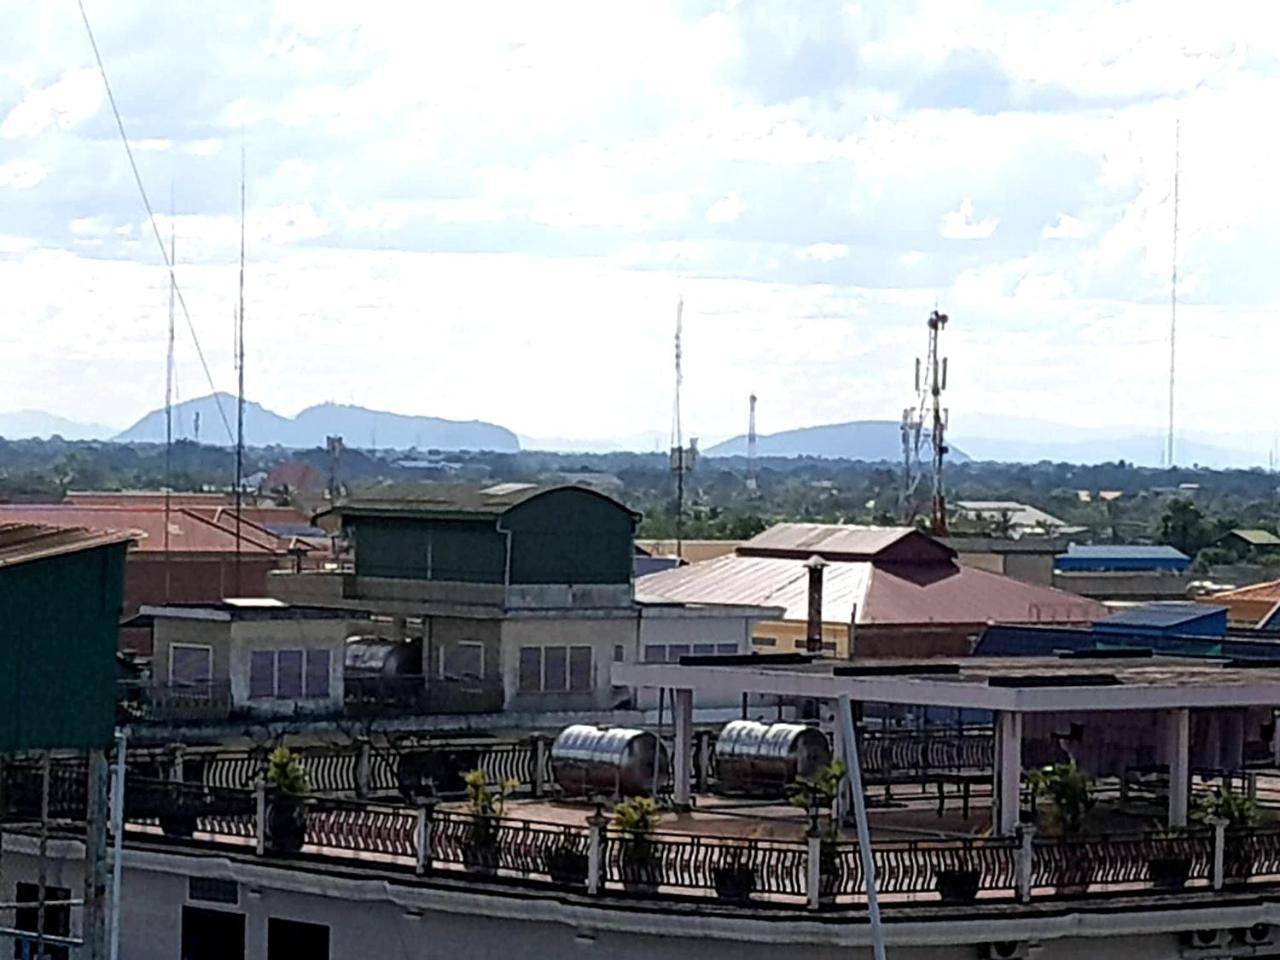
765, 758
616, 761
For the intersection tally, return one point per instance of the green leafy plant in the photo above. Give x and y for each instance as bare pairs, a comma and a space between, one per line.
285, 772
1068, 789
637, 817
818, 792
487, 802
1239, 811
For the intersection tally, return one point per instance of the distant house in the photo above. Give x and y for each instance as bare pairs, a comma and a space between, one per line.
1167, 619
1122, 558
1008, 518
1249, 542
1253, 606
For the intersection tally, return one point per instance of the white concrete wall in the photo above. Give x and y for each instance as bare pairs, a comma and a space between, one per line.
690, 631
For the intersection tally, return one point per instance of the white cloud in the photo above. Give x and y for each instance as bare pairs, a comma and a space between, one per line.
823, 252
960, 225
22, 174
726, 210
66, 103
152, 145
1067, 227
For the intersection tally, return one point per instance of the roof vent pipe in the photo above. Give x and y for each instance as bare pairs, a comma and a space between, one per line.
813, 635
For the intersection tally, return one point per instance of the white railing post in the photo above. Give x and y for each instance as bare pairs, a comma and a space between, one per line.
1026, 834
595, 847
813, 873
703, 772
539, 762
422, 835
177, 764
364, 767
260, 806
1219, 851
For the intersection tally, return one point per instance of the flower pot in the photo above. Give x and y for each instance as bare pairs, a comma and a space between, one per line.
831, 874
1237, 859
641, 871
178, 825
567, 867
1072, 878
958, 885
734, 883
1168, 873
480, 853
286, 823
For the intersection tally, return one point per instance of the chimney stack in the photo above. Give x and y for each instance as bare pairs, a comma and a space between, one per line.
813, 636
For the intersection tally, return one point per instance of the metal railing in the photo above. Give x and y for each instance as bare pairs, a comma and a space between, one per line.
141, 701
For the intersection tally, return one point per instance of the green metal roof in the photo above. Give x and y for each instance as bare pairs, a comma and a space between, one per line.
452, 499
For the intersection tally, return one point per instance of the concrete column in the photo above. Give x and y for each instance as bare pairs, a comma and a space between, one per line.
1006, 792
422, 835
682, 715
364, 767
844, 795
1177, 732
1275, 738
95, 880
596, 824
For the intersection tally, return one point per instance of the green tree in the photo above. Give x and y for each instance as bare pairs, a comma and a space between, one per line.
1183, 526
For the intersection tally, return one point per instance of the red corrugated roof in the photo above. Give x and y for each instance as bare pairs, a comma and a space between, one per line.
189, 532
1269, 591
937, 593
25, 542
844, 541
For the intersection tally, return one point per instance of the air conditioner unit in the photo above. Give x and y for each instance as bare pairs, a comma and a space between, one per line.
1206, 940
1003, 950
1258, 935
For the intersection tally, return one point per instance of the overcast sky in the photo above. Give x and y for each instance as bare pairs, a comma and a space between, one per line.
480, 210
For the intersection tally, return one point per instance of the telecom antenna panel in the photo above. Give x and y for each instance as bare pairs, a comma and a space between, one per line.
752, 485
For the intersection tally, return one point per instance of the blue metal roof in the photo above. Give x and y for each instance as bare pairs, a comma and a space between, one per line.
1136, 551
1186, 618
1002, 640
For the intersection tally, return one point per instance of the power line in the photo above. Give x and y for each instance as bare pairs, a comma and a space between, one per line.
151, 217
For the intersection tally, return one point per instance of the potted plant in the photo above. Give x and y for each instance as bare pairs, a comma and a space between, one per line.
567, 862
734, 879
286, 803
1240, 814
487, 803
1070, 797
815, 794
959, 880
636, 819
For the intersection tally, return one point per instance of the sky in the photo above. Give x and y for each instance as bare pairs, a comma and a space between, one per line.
489, 210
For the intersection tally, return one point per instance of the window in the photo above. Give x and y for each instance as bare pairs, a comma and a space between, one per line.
530, 669
213, 890
190, 665
556, 669
704, 649
580, 668
289, 674
262, 674
675, 651
655, 653
765, 641
212, 934
463, 660
57, 922
727, 649
295, 940
316, 681
619, 653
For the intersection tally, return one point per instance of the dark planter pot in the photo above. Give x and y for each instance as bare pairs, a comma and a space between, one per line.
735, 884
567, 867
1237, 860
480, 853
178, 825
641, 873
286, 823
958, 885
831, 876
1168, 873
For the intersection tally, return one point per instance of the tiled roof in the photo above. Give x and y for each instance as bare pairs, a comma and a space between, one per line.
189, 531
25, 542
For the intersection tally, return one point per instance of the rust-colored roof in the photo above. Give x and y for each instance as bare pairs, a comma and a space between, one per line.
839, 541
884, 593
142, 498
1268, 592
289, 528
690, 550
189, 532
25, 542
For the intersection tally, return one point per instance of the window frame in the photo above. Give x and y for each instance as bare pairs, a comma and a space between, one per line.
205, 648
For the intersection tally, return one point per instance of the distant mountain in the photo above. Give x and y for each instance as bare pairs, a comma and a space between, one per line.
22, 424
358, 426
870, 440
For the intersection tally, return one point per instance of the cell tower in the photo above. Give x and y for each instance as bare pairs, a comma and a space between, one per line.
239, 491
1173, 287
911, 432
751, 446
936, 370
682, 457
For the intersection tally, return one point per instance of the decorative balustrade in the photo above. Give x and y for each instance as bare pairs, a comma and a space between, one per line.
361, 827
732, 868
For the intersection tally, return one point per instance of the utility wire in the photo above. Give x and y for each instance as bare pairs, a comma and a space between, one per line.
151, 217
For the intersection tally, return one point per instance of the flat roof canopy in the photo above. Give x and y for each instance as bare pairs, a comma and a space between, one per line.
1016, 684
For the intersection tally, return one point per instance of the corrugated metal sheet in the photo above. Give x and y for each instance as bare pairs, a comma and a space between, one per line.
828, 538
927, 594
1269, 591
25, 542
189, 532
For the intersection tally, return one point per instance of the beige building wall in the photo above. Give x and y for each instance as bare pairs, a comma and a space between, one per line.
606, 636
250, 636
213, 635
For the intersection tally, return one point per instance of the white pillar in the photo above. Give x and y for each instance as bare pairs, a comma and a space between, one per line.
1177, 731
1007, 790
682, 715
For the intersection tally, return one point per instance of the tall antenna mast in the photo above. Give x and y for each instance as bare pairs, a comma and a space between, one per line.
168, 396
1173, 286
678, 463
240, 384
751, 446
937, 372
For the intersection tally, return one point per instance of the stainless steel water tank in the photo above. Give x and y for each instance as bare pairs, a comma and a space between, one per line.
764, 758
616, 761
